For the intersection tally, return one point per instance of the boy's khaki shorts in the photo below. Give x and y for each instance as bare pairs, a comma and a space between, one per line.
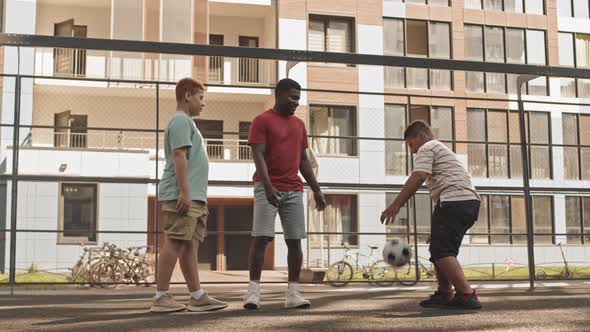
193, 225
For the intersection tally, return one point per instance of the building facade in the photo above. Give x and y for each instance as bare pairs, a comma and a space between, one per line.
94, 114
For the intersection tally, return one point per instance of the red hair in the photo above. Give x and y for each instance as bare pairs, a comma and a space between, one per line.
187, 84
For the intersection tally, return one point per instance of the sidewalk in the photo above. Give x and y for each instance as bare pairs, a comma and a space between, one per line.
557, 306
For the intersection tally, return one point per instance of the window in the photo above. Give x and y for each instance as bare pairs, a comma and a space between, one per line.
535, 7
566, 58
78, 213
492, 4
539, 151
1, 15
479, 232
330, 34
583, 60
417, 46
535, 40
393, 36
518, 215
395, 151
429, 2
577, 219
570, 150
244, 151
175, 27
564, 8
515, 50
498, 44
476, 152
502, 220
417, 39
216, 63
576, 140
340, 216
473, 4
581, 8
543, 219
498, 149
494, 144
574, 50
474, 51
439, 46
418, 209
333, 121
499, 218
212, 131
514, 6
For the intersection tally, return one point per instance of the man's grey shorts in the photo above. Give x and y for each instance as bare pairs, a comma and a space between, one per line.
290, 210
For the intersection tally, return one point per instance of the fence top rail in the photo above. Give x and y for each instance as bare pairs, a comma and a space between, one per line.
294, 56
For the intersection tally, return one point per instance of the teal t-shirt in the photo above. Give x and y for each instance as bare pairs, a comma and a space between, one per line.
181, 132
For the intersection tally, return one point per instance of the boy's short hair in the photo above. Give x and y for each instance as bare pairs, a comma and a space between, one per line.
285, 85
187, 84
417, 127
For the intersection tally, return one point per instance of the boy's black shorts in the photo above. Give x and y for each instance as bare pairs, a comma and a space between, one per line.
450, 221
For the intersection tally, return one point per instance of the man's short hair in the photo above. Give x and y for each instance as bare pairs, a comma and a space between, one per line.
285, 85
187, 84
417, 127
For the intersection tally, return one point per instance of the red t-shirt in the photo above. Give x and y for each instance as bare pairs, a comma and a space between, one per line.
286, 139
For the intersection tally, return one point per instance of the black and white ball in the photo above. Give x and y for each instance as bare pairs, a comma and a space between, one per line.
397, 253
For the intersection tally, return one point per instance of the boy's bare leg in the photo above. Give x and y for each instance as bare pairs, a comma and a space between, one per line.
166, 262
451, 269
443, 283
189, 265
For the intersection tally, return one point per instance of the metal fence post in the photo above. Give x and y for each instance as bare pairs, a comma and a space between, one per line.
525, 178
14, 187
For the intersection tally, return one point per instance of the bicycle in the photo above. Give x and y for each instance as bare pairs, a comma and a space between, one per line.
340, 274
410, 277
111, 265
82, 271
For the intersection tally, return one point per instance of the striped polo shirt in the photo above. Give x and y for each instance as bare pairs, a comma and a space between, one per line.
448, 180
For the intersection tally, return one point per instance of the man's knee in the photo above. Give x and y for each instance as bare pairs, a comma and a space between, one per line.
260, 242
293, 244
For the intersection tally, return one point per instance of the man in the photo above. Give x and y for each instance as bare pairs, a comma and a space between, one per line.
183, 194
457, 207
279, 141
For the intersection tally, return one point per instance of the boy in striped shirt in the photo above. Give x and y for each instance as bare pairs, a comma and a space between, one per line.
457, 208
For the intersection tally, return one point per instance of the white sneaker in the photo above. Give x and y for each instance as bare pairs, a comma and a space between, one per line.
294, 299
252, 298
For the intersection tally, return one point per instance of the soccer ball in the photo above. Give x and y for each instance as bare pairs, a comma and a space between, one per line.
397, 253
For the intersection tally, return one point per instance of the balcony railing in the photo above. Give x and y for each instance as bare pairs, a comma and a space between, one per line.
123, 65
217, 149
242, 71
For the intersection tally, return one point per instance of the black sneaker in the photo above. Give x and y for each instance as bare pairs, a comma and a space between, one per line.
436, 300
465, 301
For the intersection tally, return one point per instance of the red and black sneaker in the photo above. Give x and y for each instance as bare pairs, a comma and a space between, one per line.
437, 300
465, 301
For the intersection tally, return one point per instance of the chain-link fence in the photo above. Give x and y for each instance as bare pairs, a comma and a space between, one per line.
82, 155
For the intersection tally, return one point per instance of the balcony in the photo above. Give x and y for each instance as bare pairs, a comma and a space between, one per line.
242, 71
219, 150
76, 63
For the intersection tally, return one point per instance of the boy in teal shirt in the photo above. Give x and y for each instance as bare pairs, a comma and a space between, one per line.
183, 195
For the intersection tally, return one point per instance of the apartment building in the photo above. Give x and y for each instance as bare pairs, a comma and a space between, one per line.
112, 104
